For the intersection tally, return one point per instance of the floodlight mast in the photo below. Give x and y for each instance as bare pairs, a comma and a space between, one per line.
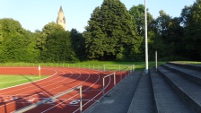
146, 45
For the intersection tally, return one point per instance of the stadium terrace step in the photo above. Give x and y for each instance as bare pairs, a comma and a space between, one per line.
166, 100
143, 101
192, 74
188, 91
188, 66
119, 98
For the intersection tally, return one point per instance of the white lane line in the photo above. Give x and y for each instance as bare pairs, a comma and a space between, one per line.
73, 95
85, 91
60, 85
52, 81
25, 84
60, 70
94, 96
26, 97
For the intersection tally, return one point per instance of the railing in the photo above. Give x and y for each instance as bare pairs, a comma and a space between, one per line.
27, 108
128, 69
102, 67
104, 81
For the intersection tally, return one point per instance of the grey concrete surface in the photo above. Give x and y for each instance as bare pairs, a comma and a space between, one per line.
118, 101
188, 91
143, 101
167, 101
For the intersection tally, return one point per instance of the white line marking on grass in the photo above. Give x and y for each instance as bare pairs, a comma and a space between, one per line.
29, 82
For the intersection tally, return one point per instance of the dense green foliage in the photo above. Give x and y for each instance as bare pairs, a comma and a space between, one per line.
112, 33
55, 44
191, 16
138, 20
16, 44
78, 44
58, 48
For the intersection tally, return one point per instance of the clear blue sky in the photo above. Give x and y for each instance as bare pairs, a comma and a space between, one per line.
34, 14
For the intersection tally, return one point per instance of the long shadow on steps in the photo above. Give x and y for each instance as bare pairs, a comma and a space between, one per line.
166, 100
188, 91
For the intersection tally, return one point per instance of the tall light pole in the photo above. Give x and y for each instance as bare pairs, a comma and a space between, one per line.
146, 45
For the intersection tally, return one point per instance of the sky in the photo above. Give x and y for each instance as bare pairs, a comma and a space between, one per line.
35, 14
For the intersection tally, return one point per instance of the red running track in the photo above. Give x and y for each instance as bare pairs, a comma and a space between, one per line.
59, 80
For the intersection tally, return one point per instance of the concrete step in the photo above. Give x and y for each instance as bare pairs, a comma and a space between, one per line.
119, 98
166, 100
143, 101
188, 91
196, 67
190, 74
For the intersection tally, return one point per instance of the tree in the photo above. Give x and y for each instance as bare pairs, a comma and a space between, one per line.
162, 25
78, 44
169, 39
58, 47
15, 42
47, 30
94, 37
191, 17
110, 33
137, 13
185, 15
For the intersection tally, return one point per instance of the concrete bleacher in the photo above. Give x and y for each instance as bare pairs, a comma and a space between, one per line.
173, 88
142, 101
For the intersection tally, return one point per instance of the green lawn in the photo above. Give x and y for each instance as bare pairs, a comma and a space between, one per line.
187, 62
12, 80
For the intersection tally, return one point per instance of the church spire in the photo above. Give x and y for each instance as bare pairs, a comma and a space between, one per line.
60, 10
61, 18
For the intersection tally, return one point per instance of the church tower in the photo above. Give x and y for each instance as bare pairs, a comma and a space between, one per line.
61, 18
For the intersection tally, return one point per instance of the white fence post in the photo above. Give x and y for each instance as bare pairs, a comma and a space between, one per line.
103, 86
80, 99
114, 79
156, 60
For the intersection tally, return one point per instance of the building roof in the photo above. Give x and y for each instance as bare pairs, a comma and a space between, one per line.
60, 10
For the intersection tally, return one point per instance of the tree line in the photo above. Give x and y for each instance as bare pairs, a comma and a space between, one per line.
112, 33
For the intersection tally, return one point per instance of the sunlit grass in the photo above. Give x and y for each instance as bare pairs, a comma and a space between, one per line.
107, 65
187, 62
13, 80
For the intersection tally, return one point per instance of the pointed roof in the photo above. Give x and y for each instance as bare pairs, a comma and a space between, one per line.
60, 10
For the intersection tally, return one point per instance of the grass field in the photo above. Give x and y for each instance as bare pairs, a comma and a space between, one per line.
187, 62
12, 80
89, 64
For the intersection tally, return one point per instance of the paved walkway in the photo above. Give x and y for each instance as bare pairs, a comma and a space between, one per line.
143, 101
118, 100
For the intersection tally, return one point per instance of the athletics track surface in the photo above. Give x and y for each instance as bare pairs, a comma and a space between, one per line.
61, 79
